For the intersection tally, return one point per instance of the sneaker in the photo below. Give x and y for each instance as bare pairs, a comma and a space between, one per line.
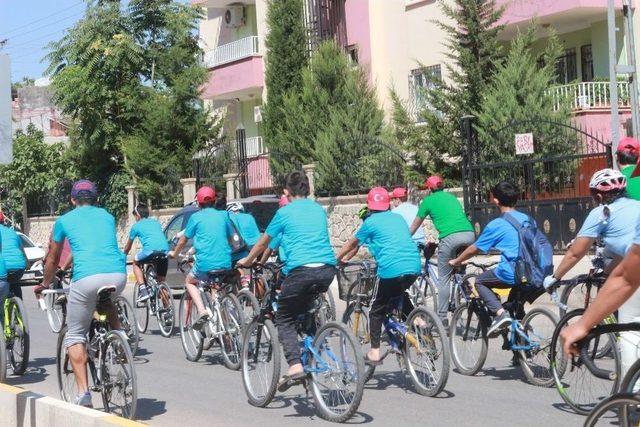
499, 323
61, 300
203, 318
143, 293
84, 399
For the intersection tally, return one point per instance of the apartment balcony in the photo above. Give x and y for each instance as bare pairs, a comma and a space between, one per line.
247, 47
590, 96
219, 3
254, 146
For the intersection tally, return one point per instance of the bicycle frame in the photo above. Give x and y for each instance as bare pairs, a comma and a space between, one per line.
8, 333
516, 330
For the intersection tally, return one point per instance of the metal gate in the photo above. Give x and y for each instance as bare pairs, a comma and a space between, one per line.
554, 184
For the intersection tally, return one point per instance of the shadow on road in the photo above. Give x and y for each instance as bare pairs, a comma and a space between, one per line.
304, 407
149, 408
398, 379
35, 372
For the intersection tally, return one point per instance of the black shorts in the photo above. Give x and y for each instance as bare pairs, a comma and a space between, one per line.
161, 264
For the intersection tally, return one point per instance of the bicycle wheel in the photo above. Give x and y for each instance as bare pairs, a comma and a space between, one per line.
330, 306
260, 362
426, 352
578, 386
575, 295
620, 410
538, 326
358, 322
249, 304
3, 360
66, 377
631, 381
425, 293
119, 385
232, 323
56, 312
18, 346
468, 337
337, 372
165, 313
462, 292
192, 341
127, 319
142, 311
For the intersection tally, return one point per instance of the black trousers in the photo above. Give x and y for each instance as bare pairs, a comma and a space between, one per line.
13, 277
388, 289
484, 283
299, 288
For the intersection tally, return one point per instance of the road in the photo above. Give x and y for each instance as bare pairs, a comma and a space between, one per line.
173, 391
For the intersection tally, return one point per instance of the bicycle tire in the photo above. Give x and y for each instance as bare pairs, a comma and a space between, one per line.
128, 321
430, 295
167, 318
3, 360
350, 369
117, 350
619, 401
252, 354
564, 376
331, 306
187, 317
19, 360
458, 298
426, 338
66, 377
631, 378
249, 304
56, 314
475, 333
538, 374
233, 323
358, 323
142, 311
423, 293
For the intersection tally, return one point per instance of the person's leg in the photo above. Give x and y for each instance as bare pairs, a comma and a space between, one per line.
447, 250
119, 281
4, 292
386, 290
291, 303
13, 278
629, 341
191, 284
484, 283
162, 266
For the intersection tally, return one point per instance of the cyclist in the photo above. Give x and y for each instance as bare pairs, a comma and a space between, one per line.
613, 220
211, 231
501, 235
276, 243
247, 228
454, 232
14, 256
309, 268
149, 232
628, 155
97, 262
407, 210
388, 239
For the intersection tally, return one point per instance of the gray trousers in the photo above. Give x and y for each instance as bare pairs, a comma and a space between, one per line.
447, 249
82, 301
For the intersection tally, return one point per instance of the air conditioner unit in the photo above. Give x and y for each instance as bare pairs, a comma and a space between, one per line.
234, 16
257, 114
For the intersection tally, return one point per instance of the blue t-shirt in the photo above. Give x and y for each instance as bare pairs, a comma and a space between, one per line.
91, 232
12, 249
387, 238
636, 239
618, 230
305, 234
150, 233
409, 212
247, 227
210, 230
276, 243
501, 235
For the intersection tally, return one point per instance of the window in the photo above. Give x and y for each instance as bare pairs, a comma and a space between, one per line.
566, 69
174, 227
586, 60
422, 80
352, 53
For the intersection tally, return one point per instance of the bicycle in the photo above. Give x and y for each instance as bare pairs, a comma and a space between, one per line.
225, 322
527, 337
356, 282
16, 334
54, 301
110, 363
330, 357
159, 304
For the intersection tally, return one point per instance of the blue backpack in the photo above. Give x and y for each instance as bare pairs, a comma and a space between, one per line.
535, 255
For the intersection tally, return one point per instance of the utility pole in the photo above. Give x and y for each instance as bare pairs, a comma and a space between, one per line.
613, 78
632, 66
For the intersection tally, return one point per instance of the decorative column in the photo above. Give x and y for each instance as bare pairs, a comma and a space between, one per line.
230, 180
309, 170
131, 202
188, 190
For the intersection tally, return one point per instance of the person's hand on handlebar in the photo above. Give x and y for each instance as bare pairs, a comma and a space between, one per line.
570, 336
549, 283
244, 262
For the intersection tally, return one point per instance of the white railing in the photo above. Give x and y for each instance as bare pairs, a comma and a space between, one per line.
586, 95
254, 146
234, 51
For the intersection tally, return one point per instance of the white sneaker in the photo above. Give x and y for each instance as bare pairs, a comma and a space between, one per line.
143, 293
84, 399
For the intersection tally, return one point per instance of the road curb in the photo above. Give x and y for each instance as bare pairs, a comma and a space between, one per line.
23, 408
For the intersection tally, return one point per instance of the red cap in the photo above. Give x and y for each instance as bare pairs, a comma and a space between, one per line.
636, 171
378, 199
628, 144
205, 195
284, 201
434, 182
398, 193
1, 216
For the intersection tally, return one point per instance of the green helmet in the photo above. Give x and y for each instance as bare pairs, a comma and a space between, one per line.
363, 213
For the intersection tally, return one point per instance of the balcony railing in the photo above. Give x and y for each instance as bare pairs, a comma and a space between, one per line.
254, 146
586, 95
234, 51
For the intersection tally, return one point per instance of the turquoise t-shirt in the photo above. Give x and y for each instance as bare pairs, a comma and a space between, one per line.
247, 227
305, 234
210, 230
91, 232
501, 235
12, 249
150, 233
387, 237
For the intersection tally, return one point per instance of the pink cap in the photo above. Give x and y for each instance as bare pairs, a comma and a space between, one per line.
629, 144
398, 193
378, 199
284, 201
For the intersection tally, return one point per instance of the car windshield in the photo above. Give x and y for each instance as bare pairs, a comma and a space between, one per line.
26, 242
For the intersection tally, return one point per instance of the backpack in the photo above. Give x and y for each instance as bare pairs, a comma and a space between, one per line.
238, 244
535, 254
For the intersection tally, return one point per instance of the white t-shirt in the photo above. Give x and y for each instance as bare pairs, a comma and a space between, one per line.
409, 211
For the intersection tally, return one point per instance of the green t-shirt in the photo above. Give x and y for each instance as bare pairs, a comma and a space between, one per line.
446, 213
633, 184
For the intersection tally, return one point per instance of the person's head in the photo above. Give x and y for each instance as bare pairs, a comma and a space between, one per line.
83, 193
505, 194
378, 199
206, 197
284, 201
607, 185
141, 211
296, 185
628, 151
434, 183
398, 196
235, 207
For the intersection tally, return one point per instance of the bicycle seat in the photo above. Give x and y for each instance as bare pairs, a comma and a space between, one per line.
106, 290
218, 277
155, 256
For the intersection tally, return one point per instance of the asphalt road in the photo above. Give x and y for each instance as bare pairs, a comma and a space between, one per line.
174, 391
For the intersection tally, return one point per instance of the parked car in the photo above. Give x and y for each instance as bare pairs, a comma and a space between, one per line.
263, 208
35, 255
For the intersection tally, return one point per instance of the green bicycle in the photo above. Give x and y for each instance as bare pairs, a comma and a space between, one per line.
16, 336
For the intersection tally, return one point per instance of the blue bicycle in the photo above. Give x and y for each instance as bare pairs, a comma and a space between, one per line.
331, 359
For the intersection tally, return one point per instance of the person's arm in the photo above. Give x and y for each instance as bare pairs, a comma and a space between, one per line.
178, 248
417, 223
470, 252
51, 266
67, 263
576, 252
348, 250
619, 287
257, 249
265, 255
128, 246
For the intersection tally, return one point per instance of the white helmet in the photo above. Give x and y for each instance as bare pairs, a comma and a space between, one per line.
608, 180
235, 207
